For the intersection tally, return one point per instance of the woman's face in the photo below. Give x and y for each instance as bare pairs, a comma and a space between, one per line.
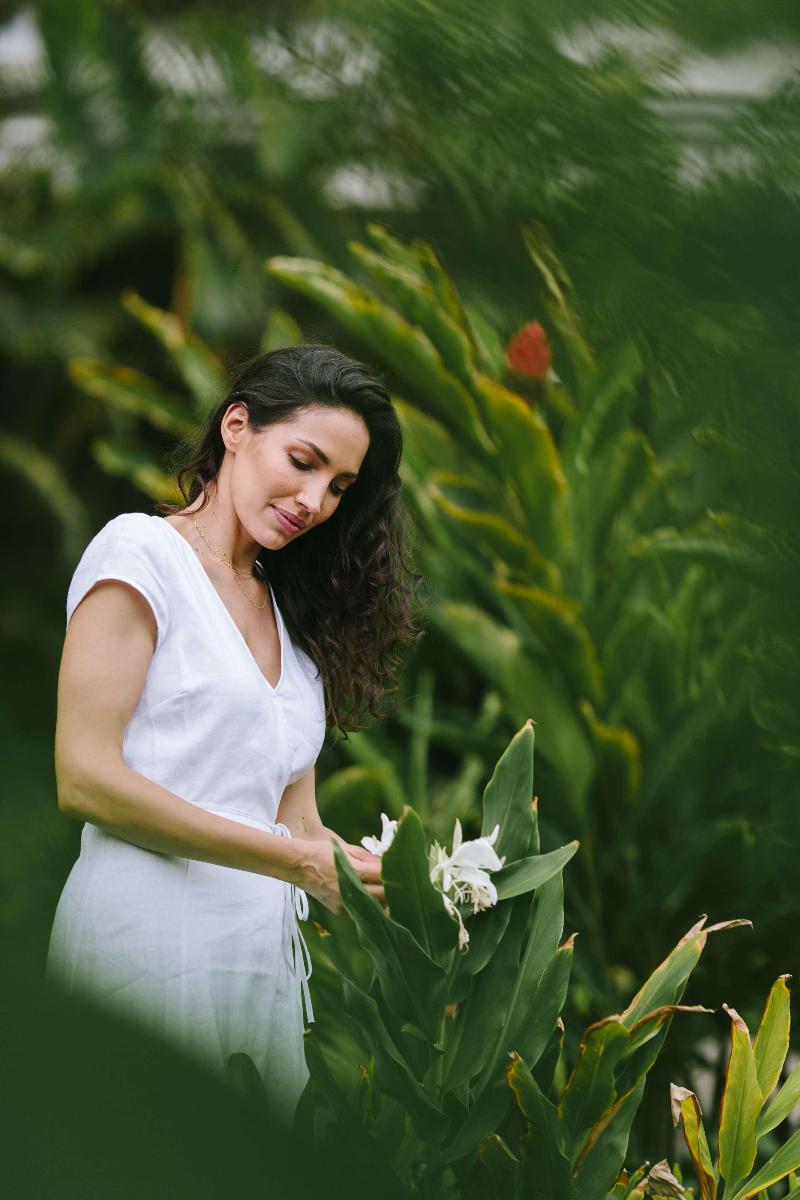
289, 477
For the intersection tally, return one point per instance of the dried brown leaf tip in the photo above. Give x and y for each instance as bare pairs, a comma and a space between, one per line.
321, 930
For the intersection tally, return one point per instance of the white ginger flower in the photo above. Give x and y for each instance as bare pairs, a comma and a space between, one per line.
463, 876
378, 845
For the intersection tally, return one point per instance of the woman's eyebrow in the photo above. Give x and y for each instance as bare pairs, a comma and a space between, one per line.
323, 456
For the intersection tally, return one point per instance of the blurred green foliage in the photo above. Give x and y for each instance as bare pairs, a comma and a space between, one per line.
645, 609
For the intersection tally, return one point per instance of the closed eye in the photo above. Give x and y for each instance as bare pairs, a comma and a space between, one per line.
304, 466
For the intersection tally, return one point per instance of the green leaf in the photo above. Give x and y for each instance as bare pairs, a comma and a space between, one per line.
557, 622
508, 797
413, 900
786, 1100
526, 874
121, 460
590, 1090
199, 368
412, 984
393, 1071
741, 1104
405, 347
605, 1148
772, 1040
666, 984
540, 1023
686, 1108
500, 1164
528, 460
485, 1115
545, 1167
130, 391
783, 1161
417, 299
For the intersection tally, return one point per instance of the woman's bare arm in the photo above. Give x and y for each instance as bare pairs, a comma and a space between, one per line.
107, 651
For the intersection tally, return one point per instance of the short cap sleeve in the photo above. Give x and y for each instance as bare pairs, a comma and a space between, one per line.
126, 548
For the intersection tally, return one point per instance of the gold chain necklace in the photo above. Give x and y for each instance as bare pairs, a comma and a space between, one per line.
228, 563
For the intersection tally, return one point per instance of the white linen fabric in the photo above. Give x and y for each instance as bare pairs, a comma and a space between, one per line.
210, 956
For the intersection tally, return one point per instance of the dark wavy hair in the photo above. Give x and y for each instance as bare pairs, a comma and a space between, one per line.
346, 588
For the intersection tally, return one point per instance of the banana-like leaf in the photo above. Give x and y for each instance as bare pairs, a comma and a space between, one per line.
783, 1162
413, 900
528, 460
412, 984
416, 298
545, 1166
556, 620
137, 467
508, 797
772, 1039
528, 873
406, 348
741, 1104
785, 1102
198, 367
686, 1109
130, 391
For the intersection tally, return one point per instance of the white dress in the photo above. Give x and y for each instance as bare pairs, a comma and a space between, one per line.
210, 956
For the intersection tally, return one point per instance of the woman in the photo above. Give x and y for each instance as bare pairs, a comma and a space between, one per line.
205, 650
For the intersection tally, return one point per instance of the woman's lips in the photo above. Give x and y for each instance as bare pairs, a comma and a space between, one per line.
292, 524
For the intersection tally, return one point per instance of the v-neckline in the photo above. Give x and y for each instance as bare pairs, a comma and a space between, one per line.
276, 611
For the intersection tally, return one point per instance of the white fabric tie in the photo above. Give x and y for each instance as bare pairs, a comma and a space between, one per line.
294, 944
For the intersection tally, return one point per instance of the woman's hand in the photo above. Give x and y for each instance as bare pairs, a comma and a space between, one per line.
317, 872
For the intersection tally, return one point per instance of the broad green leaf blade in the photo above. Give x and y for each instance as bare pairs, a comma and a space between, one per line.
121, 460
412, 984
605, 1148
405, 347
200, 369
508, 797
741, 1104
528, 460
391, 1067
485, 1115
545, 1167
539, 987
786, 1100
413, 900
541, 1022
130, 391
686, 1108
667, 982
481, 1018
529, 873
783, 1161
590, 1090
417, 299
772, 1040
557, 622
500, 1164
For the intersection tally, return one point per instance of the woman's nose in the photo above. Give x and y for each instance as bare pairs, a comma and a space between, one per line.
312, 496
